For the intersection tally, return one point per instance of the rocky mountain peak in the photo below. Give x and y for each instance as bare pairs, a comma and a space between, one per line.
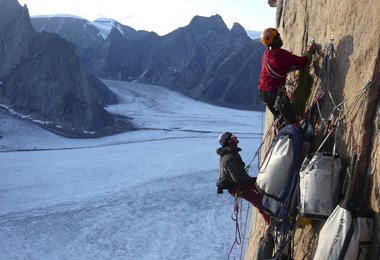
11, 8
238, 30
215, 23
44, 81
15, 32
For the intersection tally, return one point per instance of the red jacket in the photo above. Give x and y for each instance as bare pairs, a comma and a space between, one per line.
275, 64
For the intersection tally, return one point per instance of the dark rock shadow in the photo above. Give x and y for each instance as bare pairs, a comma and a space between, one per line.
336, 78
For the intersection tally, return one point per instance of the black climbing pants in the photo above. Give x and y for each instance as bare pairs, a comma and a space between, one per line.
279, 104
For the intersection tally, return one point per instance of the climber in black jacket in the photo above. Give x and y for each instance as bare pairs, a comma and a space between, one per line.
233, 176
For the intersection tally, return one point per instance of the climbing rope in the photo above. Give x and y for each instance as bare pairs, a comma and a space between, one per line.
325, 72
333, 123
262, 134
357, 98
258, 151
292, 81
281, 226
244, 231
237, 240
324, 75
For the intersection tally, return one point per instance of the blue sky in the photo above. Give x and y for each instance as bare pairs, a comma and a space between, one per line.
161, 16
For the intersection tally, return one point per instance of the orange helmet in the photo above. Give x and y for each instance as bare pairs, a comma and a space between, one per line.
267, 36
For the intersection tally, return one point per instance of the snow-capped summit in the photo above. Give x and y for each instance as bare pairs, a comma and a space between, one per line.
104, 26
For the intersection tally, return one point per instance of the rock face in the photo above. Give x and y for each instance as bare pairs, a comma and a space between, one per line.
204, 60
356, 31
42, 79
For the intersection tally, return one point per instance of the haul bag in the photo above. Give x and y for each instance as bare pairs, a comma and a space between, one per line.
346, 234
275, 173
278, 175
319, 185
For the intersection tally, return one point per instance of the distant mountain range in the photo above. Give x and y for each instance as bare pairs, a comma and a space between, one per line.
51, 65
103, 25
204, 59
253, 34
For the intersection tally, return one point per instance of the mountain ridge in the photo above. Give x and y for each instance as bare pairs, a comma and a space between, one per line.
204, 60
43, 80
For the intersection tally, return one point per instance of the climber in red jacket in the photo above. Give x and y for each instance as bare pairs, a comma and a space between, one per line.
276, 63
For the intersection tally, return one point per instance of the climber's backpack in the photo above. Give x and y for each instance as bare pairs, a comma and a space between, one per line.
346, 234
319, 185
278, 174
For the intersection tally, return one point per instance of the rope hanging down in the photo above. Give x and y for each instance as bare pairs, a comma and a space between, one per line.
281, 228
235, 218
342, 116
244, 231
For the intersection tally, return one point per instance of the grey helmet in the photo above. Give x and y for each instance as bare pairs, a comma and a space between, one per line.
223, 137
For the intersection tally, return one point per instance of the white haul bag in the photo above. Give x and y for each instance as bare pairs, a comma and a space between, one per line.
275, 172
319, 185
347, 234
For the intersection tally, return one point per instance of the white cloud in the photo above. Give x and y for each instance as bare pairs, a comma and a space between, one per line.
161, 16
